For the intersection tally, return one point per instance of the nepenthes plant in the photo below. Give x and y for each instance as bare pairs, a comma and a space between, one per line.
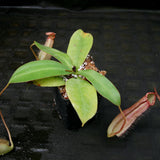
70, 72
78, 80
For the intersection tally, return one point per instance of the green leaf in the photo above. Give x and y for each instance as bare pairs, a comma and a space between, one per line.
79, 47
83, 97
103, 85
38, 70
60, 56
50, 82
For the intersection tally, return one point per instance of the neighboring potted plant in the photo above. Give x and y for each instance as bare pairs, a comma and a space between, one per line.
74, 73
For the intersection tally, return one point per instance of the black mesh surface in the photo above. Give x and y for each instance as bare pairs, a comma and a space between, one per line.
126, 44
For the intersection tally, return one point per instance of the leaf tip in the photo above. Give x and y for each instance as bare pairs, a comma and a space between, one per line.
82, 124
36, 43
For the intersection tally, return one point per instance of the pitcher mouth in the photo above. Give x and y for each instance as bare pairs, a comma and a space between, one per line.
151, 97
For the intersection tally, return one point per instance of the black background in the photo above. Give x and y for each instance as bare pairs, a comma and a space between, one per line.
126, 44
81, 5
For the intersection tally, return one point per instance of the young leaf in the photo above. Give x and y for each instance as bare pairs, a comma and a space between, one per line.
79, 47
50, 82
60, 56
103, 85
83, 97
38, 70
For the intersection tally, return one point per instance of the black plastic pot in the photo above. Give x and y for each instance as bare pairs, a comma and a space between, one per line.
67, 113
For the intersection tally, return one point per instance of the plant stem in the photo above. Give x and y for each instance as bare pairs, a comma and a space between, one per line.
4, 89
9, 134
